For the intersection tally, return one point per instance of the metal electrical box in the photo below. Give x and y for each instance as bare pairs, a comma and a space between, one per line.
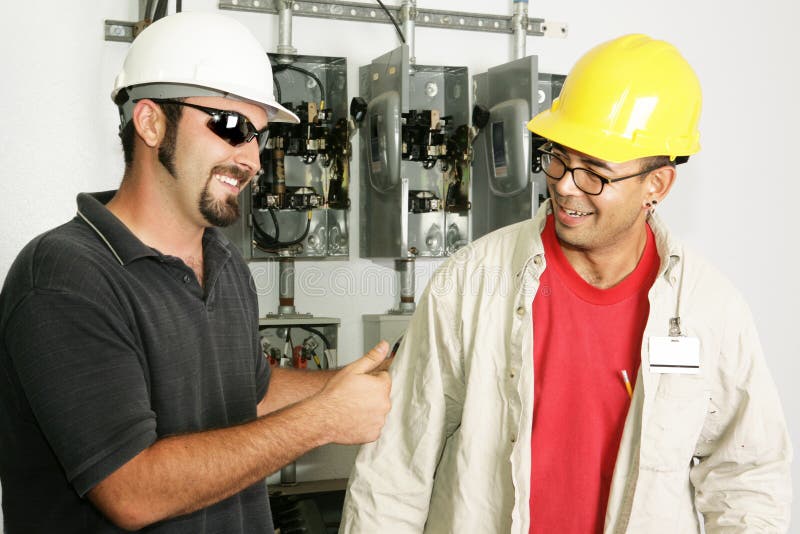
299, 205
506, 184
415, 201
301, 342
387, 327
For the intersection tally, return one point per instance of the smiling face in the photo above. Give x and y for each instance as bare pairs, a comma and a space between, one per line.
614, 219
208, 173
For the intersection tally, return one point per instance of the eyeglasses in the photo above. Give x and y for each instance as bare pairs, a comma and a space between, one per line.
230, 126
586, 180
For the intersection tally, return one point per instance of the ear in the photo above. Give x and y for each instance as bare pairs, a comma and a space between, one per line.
659, 183
149, 121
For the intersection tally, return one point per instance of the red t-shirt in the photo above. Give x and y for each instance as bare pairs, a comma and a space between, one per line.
583, 338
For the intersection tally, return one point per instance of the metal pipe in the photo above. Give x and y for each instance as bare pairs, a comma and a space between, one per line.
285, 28
408, 17
289, 474
519, 22
406, 269
286, 286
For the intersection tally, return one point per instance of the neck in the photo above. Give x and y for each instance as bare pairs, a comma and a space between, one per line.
143, 205
605, 267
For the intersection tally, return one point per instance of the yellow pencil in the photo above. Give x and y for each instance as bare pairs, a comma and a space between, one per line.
627, 383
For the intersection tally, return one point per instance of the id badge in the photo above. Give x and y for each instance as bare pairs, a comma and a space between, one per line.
674, 354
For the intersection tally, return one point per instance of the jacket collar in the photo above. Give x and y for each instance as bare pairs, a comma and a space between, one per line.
529, 246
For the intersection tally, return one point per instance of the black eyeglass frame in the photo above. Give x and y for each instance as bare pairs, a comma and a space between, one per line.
219, 116
545, 150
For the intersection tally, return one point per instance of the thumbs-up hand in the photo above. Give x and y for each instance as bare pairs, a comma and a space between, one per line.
356, 399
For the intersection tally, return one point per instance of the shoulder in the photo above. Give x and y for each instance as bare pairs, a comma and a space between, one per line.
505, 249
703, 280
65, 259
488, 269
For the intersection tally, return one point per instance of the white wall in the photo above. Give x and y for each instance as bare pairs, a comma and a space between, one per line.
736, 201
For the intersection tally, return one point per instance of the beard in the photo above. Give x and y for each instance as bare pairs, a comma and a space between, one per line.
224, 212
219, 213
166, 152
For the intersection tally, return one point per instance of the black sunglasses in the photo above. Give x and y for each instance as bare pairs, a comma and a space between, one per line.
230, 126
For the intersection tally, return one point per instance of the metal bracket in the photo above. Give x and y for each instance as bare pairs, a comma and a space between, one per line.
116, 30
361, 12
126, 32
119, 30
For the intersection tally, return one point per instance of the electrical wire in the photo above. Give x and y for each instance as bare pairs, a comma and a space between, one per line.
324, 342
396, 26
268, 243
161, 10
316, 333
281, 68
395, 347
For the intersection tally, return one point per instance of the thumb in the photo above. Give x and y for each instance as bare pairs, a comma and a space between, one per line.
370, 360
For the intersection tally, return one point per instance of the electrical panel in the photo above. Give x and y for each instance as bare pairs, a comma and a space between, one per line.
414, 139
299, 342
298, 206
508, 184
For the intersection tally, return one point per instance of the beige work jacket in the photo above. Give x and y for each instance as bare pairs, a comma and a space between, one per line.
454, 456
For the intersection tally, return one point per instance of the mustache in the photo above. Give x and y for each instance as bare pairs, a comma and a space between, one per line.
234, 172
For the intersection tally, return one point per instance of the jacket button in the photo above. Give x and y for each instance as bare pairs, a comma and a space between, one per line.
537, 260
513, 439
520, 311
185, 278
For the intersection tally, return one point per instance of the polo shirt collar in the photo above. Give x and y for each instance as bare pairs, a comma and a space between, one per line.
122, 243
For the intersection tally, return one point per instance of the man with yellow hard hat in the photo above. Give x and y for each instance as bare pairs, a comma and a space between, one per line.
583, 371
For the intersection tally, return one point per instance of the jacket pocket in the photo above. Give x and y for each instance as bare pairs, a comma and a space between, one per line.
672, 425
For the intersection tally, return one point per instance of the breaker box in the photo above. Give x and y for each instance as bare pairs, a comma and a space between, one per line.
415, 195
507, 184
299, 205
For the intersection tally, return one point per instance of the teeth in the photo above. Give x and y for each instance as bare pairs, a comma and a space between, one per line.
227, 180
573, 213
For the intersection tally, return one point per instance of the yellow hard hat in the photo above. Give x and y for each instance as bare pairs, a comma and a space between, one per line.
628, 98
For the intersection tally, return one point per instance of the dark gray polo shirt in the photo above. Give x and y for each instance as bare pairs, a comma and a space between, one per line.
108, 345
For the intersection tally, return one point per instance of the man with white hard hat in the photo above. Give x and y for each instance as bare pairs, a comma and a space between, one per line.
133, 390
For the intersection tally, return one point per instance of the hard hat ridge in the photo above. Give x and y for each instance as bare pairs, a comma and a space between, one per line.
625, 99
198, 54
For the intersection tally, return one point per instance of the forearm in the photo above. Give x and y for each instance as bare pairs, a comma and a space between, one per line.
181, 474
288, 386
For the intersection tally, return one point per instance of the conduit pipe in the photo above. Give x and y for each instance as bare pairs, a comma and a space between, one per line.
519, 22
286, 286
408, 17
285, 47
406, 269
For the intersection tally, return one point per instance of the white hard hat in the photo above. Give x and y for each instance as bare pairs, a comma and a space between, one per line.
197, 54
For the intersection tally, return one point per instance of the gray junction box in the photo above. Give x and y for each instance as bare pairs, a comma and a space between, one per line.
505, 188
410, 203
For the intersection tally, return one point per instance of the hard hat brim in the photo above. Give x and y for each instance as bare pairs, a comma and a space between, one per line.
278, 113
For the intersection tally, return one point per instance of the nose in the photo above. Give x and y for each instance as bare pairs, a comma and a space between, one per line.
566, 185
248, 156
